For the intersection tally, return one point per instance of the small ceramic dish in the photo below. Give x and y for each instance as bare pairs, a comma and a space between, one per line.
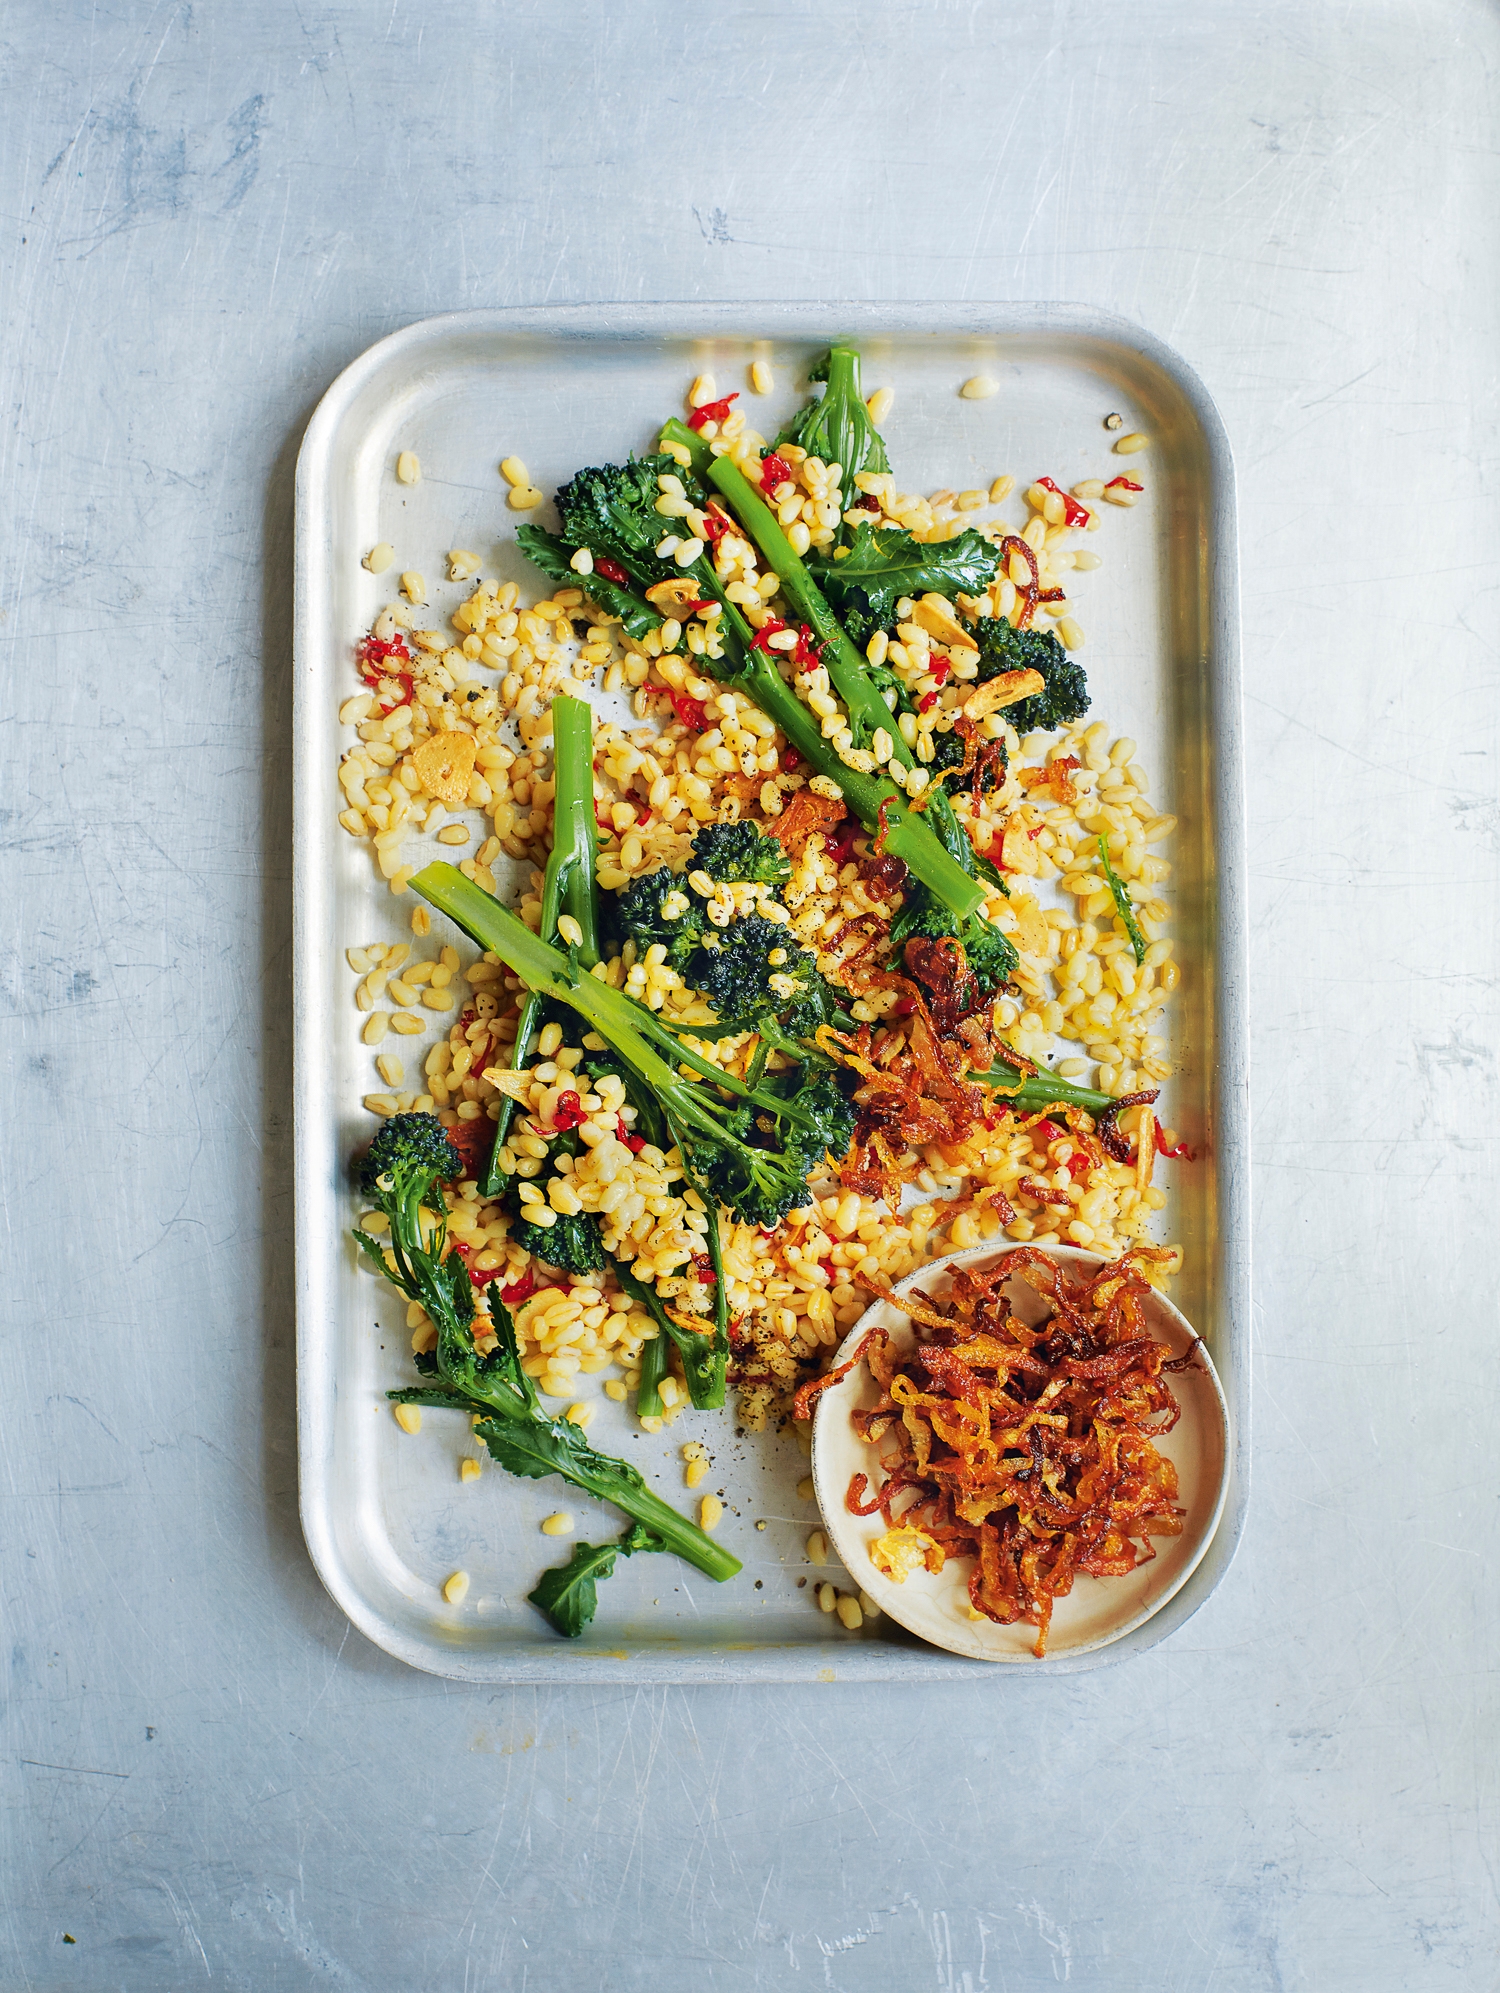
935, 1606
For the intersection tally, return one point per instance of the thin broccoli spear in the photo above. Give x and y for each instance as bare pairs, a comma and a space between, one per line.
629, 1026
1030, 1093
846, 667
648, 1399
524, 1439
1121, 896
874, 799
567, 886
611, 499
867, 710
704, 1358
758, 1184
407, 1163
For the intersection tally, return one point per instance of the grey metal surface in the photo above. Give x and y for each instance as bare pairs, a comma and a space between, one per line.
385, 1519
208, 1778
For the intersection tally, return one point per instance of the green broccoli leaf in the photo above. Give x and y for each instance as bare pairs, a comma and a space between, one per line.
1123, 906
555, 557
533, 1450
568, 1596
885, 563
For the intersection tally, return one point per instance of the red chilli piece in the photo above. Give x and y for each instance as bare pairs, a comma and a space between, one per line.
809, 652
1124, 484
711, 411
771, 627
774, 470
715, 526
568, 1113
1180, 1154
519, 1290
839, 846
692, 712
941, 669
703, 1266
791, 760
927, 701
635, 1143
1074, 514
376, 656
611, 570
867, 502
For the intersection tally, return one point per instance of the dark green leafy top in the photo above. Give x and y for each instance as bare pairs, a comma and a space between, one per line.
1065, 695
736, 853
611, 510
838, 428
416, 1144
885, 563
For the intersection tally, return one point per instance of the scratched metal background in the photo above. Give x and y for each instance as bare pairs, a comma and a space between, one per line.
206, 1778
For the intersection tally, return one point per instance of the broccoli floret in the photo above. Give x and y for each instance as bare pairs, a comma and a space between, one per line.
638, 917
611, 510
727, 852
409, 1146
988, 953
735, 853
1065, 696
759, 1183
749, 991
571, 1243
723, 1142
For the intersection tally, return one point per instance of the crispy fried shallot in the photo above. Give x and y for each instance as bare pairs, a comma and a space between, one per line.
914, 1068
803, 815
1030, 1449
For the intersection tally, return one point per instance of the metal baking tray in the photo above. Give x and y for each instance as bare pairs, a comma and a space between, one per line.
385, 1516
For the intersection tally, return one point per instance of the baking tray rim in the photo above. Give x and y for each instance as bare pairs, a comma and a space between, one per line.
1228, 1091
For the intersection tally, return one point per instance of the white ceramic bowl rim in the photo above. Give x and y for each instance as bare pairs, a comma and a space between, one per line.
1097, 1610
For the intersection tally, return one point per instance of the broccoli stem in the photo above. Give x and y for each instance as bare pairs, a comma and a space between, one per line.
675, 1530
567, 886
704, 1358
648, 1404
1041, 1090
627, 1025
846, 668
906, 835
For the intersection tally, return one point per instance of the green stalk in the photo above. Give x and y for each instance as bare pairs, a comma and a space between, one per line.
907, 836
676, 1532
1041, 1090
845, 665
627, 1025
567, 886
648, 1404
